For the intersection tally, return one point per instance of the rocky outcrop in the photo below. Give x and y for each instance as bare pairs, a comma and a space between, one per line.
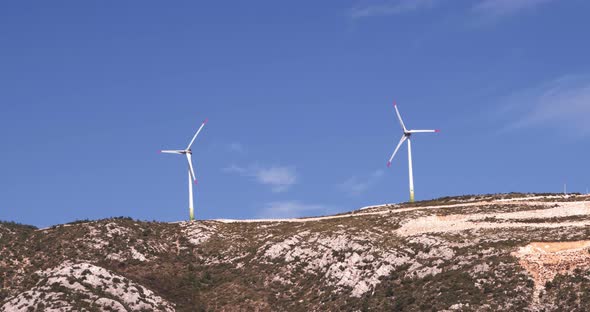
83, 286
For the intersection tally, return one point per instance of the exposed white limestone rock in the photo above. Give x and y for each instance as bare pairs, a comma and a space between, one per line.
197, 232
70, 287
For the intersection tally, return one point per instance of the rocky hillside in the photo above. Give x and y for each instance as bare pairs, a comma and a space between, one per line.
515, 252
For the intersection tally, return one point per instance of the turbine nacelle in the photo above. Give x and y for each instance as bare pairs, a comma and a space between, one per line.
410, 132
182, 152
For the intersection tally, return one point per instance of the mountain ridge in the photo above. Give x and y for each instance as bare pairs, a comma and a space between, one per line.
466, 253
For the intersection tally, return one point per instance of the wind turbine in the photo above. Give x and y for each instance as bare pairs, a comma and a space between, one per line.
406, 137
191, 173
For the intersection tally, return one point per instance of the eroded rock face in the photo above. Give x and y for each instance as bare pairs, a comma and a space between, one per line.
83, 286
343, 261
197, 233
544, 260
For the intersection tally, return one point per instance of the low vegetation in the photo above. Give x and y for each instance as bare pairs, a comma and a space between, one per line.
375, 259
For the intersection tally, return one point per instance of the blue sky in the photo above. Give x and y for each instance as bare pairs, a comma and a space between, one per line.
299, 100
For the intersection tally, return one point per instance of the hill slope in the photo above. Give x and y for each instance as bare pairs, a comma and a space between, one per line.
474, 253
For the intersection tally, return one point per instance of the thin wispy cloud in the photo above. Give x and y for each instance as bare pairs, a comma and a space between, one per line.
236, 147
291, 209
391, 8
506, 7
563, 104
279, 178
355, 186
483, 8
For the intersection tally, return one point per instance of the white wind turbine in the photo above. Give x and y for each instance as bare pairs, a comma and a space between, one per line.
191, 172
406, 137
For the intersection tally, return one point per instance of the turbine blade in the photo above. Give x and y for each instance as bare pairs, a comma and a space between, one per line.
197, 133
190, 167
171, 151
399, 117
401, 141
423, 131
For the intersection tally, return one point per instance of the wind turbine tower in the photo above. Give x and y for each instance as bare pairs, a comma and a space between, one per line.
407, 134
191, 172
